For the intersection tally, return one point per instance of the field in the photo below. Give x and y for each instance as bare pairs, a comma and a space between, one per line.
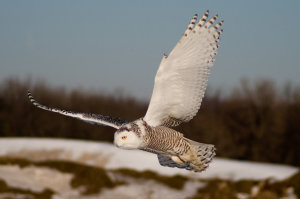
58, 168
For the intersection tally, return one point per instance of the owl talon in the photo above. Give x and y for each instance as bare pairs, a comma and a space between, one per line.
177, 160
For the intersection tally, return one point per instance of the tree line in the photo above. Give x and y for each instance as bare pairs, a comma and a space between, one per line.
256, 121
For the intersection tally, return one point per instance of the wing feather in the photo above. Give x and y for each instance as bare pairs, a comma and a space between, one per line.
181, 79
168, 162
86, 117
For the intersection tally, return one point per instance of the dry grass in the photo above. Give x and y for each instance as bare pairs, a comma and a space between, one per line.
175, 182
91, 179
12, 192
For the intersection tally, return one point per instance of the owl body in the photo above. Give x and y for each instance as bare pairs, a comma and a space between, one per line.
166, 140
158, 140
179, 87
172, 148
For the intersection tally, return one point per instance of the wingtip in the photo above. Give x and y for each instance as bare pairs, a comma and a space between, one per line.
31, 99
29, 94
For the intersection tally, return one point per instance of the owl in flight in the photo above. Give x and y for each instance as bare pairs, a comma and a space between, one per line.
178, 90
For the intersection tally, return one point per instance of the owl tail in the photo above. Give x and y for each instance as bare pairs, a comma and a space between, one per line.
205, 154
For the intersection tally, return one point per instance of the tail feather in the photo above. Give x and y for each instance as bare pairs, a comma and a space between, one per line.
205, 153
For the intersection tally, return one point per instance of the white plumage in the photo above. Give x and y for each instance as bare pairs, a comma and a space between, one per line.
181, 79
179, 87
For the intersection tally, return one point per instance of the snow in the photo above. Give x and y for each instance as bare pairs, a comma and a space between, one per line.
37, 179
111, 157
106, 155
149, 190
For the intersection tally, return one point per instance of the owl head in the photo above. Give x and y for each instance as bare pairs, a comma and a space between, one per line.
127, 137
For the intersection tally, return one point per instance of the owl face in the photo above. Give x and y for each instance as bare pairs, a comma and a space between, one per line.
127, 139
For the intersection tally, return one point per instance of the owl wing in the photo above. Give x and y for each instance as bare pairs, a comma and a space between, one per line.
86, 117
168, 162
181, 78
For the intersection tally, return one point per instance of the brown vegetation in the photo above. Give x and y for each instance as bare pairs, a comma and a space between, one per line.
92, 179
175, 182
13, 192
255, 122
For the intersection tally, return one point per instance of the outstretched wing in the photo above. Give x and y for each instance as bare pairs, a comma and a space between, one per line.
181, 79
86, 117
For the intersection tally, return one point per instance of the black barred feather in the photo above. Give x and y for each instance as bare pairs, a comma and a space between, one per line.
86, 117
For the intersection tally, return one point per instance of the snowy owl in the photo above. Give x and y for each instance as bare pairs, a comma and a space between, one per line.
178, 90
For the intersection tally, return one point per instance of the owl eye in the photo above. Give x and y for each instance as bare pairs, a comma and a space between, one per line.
124, 137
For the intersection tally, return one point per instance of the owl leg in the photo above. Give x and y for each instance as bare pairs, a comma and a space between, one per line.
177, 160
197, 167
191, 162
194, 162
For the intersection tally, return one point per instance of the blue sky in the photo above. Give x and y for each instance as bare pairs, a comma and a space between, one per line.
109, 45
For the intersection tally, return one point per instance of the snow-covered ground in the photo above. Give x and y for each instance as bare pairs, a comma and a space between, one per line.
108, 156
